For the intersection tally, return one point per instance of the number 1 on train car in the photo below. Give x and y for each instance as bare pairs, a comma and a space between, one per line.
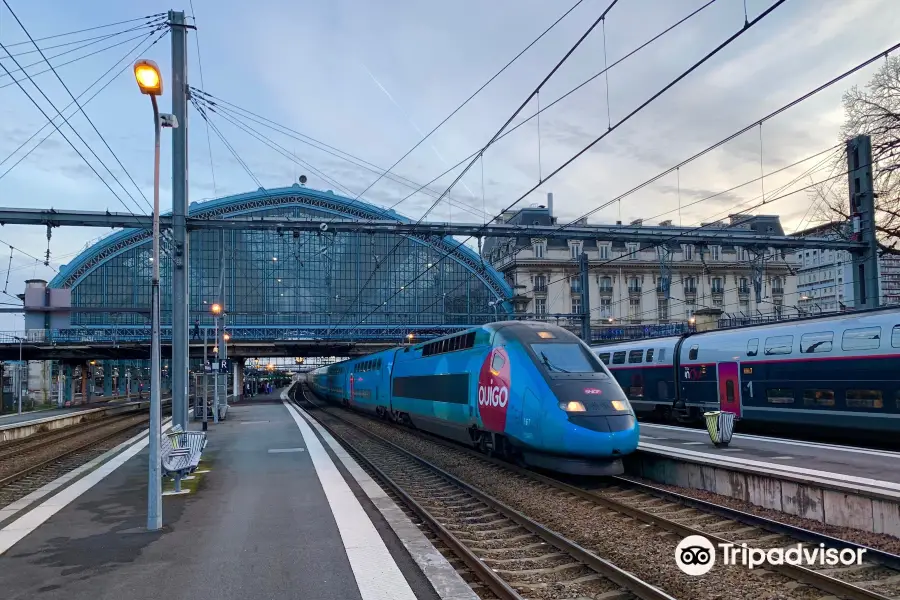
729, 399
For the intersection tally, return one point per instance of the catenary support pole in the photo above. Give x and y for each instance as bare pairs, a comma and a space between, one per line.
862, 211
180, 300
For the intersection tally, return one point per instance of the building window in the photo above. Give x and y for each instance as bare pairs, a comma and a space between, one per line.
632, 251
688, 252
540, 283
690, 285
606, 307
777, 287
689, 309
662, 308
606, 284
575, 249
717, 286
634, 285
575, 285
604, 251
744, 286
715, 252
634, 308
540, 306
718, 302
539, 248
576, 306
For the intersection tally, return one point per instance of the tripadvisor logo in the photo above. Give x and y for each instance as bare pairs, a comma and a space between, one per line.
696, 555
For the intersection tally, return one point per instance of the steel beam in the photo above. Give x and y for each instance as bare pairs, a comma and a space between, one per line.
621, 233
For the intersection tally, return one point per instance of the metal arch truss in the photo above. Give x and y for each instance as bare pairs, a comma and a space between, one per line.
222, 216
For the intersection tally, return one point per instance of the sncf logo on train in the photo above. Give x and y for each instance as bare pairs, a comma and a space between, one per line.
493, 390
592, 391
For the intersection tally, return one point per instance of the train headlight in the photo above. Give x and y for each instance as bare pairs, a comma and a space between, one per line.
620, 405
572, 406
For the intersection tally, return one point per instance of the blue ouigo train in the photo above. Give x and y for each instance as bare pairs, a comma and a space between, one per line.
529, 392
834, 375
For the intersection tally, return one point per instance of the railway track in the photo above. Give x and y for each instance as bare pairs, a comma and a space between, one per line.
666, 513
47, 463
513, 556
38, 441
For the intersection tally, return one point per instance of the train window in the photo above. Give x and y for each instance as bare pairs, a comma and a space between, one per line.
898, 398
635, 356
604, 357
378, 364
780, 395
470, 340
567, 358
619, 358
816, 342
779, 344
895, 337
729, 391
650, 355
818, 398
864, 338
662, 355
864, 399
695, 350
497, 362
752, 347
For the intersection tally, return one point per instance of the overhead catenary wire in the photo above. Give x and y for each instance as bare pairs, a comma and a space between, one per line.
94, 95
80, 107
74, 60
721, 142
89, 41
222, 107
65, 137
475, 93
691, 69
665, 241
59, 35
212, 167
484, 148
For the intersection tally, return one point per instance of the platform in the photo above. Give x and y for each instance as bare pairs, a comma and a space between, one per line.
279, 514
813, 458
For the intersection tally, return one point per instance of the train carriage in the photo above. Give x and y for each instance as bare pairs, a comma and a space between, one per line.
528, 391
838, 372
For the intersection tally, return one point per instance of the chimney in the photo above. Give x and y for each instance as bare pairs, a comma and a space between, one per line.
637, 222
550, 203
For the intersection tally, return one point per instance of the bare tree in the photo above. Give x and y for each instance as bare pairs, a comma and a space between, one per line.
875, 111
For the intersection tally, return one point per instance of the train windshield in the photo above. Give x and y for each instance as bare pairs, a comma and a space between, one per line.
566, 358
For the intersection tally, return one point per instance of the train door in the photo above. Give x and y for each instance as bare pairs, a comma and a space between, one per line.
729, 384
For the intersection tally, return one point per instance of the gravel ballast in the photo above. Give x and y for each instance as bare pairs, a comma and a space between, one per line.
646, 552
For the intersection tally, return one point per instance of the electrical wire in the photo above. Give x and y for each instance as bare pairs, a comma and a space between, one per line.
74, 60
212, 168
221, 107
666, 241
694, 67
58, 35
80, 107
478, 91
94, 95
91, 40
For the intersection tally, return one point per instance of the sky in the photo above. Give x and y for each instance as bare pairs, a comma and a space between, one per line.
371, 78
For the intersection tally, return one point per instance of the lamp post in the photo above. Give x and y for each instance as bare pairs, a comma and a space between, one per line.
216, 310
149, 81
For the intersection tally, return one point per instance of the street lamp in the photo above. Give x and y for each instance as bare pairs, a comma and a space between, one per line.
216, 310
149, 80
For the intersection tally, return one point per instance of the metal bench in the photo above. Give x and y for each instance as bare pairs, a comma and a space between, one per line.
180, 453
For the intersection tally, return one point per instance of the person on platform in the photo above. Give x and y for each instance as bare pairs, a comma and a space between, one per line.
196, 333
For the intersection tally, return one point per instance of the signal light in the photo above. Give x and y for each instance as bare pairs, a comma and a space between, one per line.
572, 406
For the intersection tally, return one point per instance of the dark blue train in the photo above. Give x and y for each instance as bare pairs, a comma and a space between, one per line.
836, 372
529, 392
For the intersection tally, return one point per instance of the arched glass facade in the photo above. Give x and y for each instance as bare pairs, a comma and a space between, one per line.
268, 278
